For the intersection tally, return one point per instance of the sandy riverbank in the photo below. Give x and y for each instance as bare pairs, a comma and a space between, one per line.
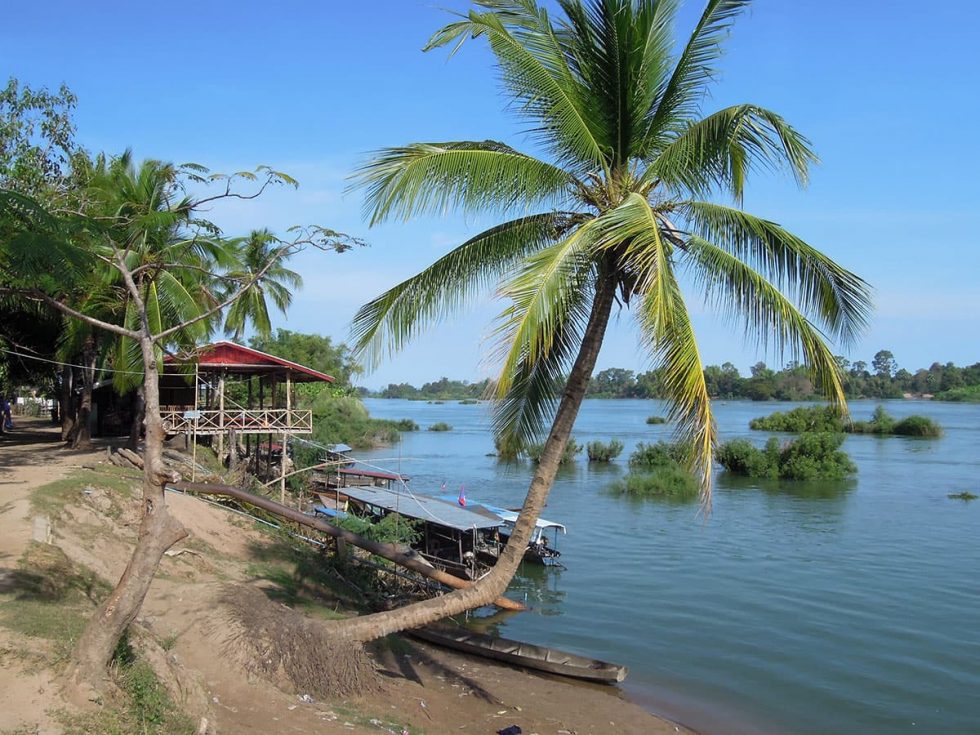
423, 689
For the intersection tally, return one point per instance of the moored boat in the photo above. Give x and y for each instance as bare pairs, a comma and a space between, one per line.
527, 655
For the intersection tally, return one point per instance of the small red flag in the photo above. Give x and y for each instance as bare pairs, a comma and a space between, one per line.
462, 496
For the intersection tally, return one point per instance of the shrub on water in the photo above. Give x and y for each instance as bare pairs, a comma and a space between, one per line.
884, 425
815, 456
812, 456
468, 402
799, 420
656, 420
668, 481
918, 426
441, 426
534, 451
661, 454
602, 452
406, 425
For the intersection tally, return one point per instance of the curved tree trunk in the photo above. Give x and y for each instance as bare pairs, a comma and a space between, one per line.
83, 431
158, 532
493, 585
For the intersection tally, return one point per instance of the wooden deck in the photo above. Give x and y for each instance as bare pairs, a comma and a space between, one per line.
182, 419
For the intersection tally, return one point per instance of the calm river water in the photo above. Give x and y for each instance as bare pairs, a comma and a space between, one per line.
841, 608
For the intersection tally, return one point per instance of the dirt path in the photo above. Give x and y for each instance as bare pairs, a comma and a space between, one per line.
31, 455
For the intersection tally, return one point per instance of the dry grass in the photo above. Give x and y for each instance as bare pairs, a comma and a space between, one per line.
276, 642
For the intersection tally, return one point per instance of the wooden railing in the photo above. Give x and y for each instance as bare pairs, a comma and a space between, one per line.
181, 419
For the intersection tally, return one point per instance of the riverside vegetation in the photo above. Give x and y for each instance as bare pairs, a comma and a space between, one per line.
827, 419
658, 471
813, 456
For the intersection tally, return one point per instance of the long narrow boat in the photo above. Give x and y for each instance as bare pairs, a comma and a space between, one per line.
527, 655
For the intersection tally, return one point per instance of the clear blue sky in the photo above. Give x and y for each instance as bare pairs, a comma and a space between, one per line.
888, 93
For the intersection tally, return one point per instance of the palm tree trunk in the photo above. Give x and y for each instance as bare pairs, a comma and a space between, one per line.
159, 530
493, 585
83, 432
136, 423
66, 404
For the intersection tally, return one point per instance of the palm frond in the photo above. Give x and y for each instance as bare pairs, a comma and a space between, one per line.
719, 150
391, 320
825, 290
746, 295
539, 334
634, 231
465, 176
684, 90
534, 69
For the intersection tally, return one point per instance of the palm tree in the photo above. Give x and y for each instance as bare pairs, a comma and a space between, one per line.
277, 285
619, 208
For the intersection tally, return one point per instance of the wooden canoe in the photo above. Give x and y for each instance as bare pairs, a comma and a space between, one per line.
527, 655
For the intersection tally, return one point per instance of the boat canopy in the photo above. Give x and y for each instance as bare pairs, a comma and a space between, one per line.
510, 517
424, 508
507, 516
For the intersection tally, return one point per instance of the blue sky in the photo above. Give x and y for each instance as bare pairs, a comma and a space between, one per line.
888, 93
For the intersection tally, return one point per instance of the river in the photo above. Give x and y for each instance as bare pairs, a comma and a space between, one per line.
832, 608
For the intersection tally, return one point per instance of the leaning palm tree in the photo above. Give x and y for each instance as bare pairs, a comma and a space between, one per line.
621, 205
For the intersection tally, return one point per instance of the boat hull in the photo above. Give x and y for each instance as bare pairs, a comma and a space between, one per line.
526, 655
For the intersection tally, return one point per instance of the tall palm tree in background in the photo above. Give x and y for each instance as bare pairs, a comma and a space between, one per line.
277, 286
620, 208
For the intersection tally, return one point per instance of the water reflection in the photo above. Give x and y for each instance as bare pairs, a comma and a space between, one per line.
807, 489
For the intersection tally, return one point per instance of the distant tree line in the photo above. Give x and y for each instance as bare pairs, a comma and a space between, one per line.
881, 379
443, 389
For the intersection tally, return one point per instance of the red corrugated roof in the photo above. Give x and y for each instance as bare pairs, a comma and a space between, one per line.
225, 354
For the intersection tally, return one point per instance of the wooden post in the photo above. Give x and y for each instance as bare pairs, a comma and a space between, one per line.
197, 392
221, 416
285, 439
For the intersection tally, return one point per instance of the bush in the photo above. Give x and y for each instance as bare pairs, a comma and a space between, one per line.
534, 451
799, 420
345, 420
392, 529
468, 402
810, 457
656, 420
884, 425
918, 426
602, 452
669, 481
441, 426
661, 454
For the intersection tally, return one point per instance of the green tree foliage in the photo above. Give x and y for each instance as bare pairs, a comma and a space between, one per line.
311, 350
37, 139
813, 456
443, 389
441, 426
